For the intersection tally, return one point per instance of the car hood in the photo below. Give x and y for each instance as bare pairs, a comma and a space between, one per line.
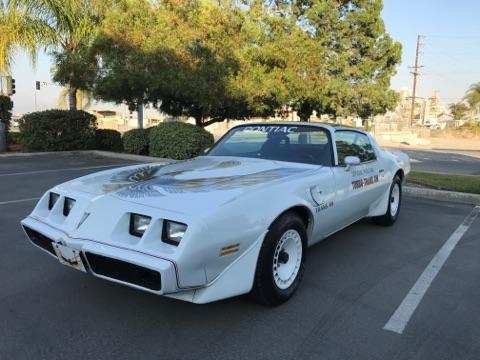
187, 186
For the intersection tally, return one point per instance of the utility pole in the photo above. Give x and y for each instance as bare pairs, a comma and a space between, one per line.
415, 72
140, 115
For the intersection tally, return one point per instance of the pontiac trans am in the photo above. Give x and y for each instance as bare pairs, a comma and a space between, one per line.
235, 220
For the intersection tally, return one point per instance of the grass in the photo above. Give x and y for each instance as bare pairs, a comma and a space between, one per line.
461, 183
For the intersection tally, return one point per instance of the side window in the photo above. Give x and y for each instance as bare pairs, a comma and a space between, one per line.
352, 143
366, 149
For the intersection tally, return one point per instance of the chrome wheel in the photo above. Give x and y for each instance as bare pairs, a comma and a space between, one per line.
287, 259
394, 199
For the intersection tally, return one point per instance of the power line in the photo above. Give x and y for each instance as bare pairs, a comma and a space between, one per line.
448, 55
453, 61
455, 37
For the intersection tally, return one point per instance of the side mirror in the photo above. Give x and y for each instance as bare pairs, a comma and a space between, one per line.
351, 161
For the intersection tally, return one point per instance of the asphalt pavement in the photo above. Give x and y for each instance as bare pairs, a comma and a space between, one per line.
354, 282
445, 161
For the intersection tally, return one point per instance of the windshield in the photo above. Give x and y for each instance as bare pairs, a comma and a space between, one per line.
294, 143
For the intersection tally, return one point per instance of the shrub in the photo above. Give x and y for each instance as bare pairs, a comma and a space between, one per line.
13, 138
106, 139
6, 106
177, 140
57, 130
136, 141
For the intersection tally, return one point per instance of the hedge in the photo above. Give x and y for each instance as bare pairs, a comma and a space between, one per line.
136, 141
57, 130
177, 140
109, 140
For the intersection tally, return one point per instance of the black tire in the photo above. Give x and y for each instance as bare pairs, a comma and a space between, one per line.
265, 291
388, 219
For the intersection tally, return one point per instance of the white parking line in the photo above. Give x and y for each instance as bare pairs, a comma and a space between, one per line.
404, 312
66, 169
17, 201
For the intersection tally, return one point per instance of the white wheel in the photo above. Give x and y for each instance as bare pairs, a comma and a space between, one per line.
394, 204
287, 259
281, 261
394, 199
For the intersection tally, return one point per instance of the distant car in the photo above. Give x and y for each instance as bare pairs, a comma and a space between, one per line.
236, 220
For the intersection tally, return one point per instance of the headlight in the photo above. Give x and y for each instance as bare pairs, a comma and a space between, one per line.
173, 232
52, 199
68, 205
138, 224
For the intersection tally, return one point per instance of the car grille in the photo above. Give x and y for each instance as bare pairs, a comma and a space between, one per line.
124, 271
40, 240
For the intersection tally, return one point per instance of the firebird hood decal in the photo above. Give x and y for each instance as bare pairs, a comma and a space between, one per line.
202, 174
170, 184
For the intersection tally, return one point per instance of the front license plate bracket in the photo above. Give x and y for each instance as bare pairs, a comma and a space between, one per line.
69, 257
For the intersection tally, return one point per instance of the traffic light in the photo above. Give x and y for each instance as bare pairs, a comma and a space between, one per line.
10, 85
37, 85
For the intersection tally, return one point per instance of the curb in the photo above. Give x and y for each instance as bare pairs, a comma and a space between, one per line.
442, 195
25, 154
110, 154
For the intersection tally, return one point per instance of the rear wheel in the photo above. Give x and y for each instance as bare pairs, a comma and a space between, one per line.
280, 264
394, 204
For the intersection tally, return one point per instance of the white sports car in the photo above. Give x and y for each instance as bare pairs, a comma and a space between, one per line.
236, 220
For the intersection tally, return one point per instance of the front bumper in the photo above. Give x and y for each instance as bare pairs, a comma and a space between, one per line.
124, 266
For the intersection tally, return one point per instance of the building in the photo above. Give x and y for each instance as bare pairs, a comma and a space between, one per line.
428, 112
123, 120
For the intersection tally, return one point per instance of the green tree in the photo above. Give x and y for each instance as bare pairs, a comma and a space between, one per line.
222, 60
473, 96
459, 110
66, 28
201, 59
343, 63
127, 60
372, 61
84, 99
17, 29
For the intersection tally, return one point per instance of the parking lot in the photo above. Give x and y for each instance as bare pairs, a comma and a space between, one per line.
445, 161
354, 282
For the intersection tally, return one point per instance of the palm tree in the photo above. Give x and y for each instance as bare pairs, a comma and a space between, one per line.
65, 28
84, 99
473, 96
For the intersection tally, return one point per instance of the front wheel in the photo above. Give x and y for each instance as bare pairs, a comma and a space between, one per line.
281, 262
394, 204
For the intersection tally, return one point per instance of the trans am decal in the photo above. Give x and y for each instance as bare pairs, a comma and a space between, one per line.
323, 206
157, 180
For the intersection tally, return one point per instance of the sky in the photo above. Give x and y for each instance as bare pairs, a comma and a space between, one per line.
450, 53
